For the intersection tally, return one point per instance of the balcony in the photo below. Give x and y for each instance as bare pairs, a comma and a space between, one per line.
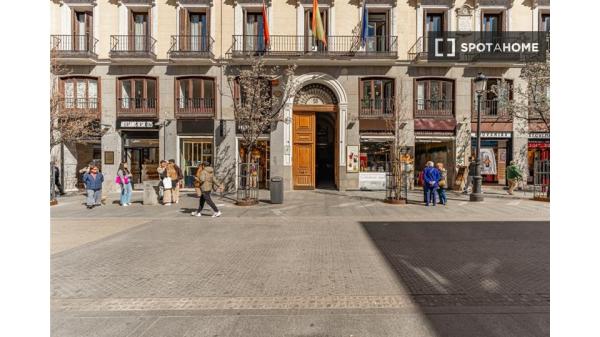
74, 47
376, 108
80, 105
137, 107
306, 47
135, 47
195, 108
189, 47
492, 110
434, 108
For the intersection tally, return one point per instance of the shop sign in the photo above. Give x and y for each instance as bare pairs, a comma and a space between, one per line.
539, 135
371, 180
538, 144
135, 124
493, 134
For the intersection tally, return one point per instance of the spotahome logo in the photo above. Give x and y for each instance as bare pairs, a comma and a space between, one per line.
487, 47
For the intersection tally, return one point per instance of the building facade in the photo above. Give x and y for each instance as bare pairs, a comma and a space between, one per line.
157, 72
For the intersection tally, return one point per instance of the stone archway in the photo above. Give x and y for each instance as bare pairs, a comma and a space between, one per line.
316, 134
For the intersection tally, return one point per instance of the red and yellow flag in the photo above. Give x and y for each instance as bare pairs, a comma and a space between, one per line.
267, 36
317, 23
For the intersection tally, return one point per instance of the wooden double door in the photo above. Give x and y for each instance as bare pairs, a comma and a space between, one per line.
304, 126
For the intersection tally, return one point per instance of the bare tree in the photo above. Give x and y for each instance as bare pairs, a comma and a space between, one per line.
259, 93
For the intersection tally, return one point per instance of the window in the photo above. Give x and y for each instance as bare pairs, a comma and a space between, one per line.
492, 23
80, 93
434, 98
545, 23
195, 94
137, 95
434, 22
82, 28
375, 156
378, 31
254, 39
377, 97
193, 28
311, 44
494, 100
139, 29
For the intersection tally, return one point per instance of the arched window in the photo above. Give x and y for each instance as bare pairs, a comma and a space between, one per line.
434, 98
80, 93
377, 97
137, 96
195, 96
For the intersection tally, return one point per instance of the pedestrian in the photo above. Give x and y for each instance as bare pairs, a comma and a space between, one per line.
170, 184
207, 182
514, 174
56, 176
431, 178
197, 181
472, 173
124, 178
93, 186
162, 174
177, 182
442, 184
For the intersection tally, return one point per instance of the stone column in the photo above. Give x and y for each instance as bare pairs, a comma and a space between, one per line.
225, 153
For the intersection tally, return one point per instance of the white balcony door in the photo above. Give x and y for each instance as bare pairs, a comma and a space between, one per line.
140, 31
198, 31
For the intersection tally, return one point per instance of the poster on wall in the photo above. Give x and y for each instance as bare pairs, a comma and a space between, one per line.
352, 159
488, 161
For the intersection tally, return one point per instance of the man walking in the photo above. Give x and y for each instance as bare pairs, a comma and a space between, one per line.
207, 182
93, 186
513, 173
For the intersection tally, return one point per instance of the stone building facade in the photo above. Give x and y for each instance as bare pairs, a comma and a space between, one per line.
156, 72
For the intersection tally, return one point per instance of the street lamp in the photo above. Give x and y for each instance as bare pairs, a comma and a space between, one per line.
480, 83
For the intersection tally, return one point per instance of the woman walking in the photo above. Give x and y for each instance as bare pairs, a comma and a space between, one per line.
442, 184
93, 186
207, 183
124, 179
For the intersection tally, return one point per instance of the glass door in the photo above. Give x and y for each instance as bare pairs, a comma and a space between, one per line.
377, 32
140, 31
198, 32
253, 32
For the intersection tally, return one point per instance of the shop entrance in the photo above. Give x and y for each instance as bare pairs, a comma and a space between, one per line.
260, 155
143, 162
437, 151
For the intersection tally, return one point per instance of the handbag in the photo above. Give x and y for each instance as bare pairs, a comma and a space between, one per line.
167, 184
125, 180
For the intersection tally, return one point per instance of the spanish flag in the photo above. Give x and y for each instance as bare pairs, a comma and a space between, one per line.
317, 24
267, 36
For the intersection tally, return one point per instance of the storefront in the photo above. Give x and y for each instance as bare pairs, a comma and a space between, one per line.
496, 153
375, 161
140, 148
260, 156
538, 148
195, 145
438, 147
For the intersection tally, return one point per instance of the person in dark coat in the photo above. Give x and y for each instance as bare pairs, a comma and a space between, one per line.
431, 178
472, 173
93, 186
56, 175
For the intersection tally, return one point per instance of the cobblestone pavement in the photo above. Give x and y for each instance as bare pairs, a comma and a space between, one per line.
321, 264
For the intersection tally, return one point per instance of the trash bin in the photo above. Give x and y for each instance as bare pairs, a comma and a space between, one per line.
276, 189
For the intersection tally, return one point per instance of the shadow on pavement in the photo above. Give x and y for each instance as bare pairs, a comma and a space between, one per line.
472, 278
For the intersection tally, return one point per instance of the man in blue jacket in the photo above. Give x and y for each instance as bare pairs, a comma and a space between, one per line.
93, 186
431, 178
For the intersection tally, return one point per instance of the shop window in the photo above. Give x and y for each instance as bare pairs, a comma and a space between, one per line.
434, 98
377, 97
375, 156
80, 93
137, 95
194, 152
545, 23
195, 95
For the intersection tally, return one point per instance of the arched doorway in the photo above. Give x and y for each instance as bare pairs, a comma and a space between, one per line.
315, 135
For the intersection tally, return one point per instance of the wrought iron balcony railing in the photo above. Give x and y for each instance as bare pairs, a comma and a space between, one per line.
89, 104
138, 46
307, 46
377, 108
491, 109
191, 46
75, 46
434, 108
137, 106
195, 107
